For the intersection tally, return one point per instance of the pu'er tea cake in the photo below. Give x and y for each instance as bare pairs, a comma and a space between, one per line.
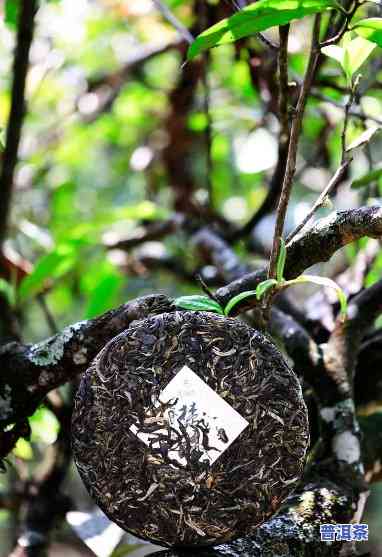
189, 429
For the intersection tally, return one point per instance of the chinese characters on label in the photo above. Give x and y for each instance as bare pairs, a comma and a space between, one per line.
344, 532
190, 421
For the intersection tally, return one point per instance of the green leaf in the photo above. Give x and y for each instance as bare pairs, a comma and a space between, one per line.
367, 178
101, 285
237, 299
322, 281
264, 286
51, 266
364, 138
370, 29
23, 450
126, 549
351, 55
254, 18
260, 291
198, 303
8, 291
44, 426
334, 51
281, 261
357, 52
11, 13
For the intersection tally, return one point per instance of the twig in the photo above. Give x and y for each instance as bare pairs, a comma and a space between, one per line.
344, 27
293, 146
335, 180
339, 174
283, 82
205, 288
155, 230
267, 41
356, 114
47, 314
171, 18
353, 90
17, 111
208, 130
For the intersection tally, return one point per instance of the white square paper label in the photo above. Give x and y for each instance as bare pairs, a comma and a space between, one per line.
190, 422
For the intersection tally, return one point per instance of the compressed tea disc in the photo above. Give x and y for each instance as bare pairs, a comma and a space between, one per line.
189, 428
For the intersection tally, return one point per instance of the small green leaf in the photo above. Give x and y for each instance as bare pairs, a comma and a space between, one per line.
8, 291
281, 261
100, 284
44, 426
23, 450
126, 549
334, 51
363, 139
264, 286
260, 291
370, 29
256, 17
367, 178
199, 303
11, 13
351, 55
51, 266
237, 299
322, 281
357, 52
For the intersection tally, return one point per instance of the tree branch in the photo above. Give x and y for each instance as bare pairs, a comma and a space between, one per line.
152, 231
107, 87
315, 245
293, 146
29, 372
174, 21
333, 183
17, 112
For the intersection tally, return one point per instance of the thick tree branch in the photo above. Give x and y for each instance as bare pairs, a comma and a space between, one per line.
216, 250
315, 245
29, 372
152, 231
299, 345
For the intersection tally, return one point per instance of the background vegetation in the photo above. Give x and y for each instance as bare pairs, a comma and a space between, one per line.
128, 153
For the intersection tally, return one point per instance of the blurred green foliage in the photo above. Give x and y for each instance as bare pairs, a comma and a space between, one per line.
91, 171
